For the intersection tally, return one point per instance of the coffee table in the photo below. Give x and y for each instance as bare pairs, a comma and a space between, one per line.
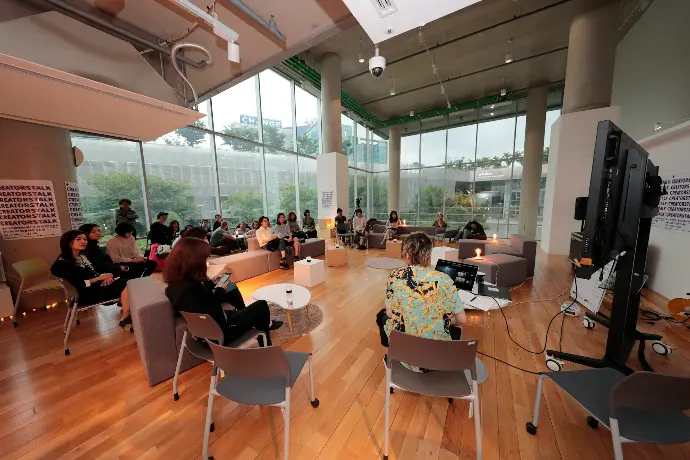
276, 293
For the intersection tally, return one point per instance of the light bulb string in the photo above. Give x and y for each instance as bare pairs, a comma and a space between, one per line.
434, 69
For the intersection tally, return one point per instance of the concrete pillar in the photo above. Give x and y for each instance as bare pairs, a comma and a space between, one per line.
531, 163
333, 188
394, 168
591, 56
331, 131
36, 152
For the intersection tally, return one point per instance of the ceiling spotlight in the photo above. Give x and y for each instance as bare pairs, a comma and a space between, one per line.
504, 92
491, 114
360, 56
392, 91
412, 113
448, 105
657, 127
509, 58
493, 106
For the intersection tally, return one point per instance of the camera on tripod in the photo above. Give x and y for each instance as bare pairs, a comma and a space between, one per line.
358, 203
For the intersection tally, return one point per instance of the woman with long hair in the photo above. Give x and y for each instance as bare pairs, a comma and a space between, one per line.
392, 226
123, 250
174, 230
270, 241
91, 279
189, 289
251, 232
96, 254
294, 226
308, 225
282, 229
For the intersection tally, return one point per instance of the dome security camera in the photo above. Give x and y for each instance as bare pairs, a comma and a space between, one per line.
377, 64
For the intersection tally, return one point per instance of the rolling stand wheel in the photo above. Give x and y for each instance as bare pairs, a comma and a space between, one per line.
213, 427
592, 422
553, 364
588, 323
661, 348
531, 429
315, 403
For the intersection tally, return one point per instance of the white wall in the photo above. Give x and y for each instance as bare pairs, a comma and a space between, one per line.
651, 80
652, 84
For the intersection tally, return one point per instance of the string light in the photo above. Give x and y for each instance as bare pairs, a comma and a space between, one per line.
434, 69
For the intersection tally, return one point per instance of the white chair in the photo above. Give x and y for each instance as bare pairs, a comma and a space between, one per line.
28, 270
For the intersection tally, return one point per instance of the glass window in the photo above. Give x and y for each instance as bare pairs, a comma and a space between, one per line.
235, 112
276, 110
280, 180
361, 192
204, 107
434, 148
362, 147
409, 194
111, 171
180, 176
379, 153
348, 138
459, 196
431, 194
409, 151
308, 127
379, 190
239, 175
308, 195
461, 145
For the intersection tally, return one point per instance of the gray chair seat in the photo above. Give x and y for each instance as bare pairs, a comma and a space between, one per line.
443, 384
201, 349
262, 391
657, 427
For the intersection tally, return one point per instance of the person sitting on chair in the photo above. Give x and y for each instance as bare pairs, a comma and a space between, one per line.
472, 231
271, 242
392, 226
97, 255
190, 290
294, 227
251, 233
420, 301
93, 283
123, 250
308, 225
440, 222
359, 224
204, 225
217, 222
159, 233
221, 238
282, 229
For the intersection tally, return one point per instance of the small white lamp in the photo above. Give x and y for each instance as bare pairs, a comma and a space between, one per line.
479, 254
495, 238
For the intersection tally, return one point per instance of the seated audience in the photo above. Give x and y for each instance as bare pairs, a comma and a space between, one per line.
339, 218
190, 290
123, 250
271, 242
217, 222
440, 222
221, 238
392, 226
159, 233
241, 229
205, 227
93, 283
359, 224
96, 254
186, 229
421, 301
174, 230
472, 231
294, 227
308, 225
282, 229
251, 233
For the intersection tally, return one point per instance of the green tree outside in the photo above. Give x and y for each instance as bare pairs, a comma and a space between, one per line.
244, 206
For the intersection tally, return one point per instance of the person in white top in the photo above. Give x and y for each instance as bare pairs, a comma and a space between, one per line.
359, 223
271, 242
123, 250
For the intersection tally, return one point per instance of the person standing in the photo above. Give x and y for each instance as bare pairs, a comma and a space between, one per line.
159, 233
127, 214
217, 222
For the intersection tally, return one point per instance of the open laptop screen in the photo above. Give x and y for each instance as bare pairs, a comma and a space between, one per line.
463, 275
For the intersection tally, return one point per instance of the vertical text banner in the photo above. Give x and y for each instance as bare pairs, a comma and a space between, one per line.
76, 214
28, 210
674, 208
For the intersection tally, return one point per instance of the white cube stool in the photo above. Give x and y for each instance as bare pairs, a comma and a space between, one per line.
309, 274
444, 253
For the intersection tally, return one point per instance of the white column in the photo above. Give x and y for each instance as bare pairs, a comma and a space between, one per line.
331, 131
531, 163
394, 168
333, 186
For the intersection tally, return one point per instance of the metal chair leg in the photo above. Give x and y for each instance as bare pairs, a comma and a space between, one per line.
387, 414
532, 426
314, 401
209, 414
616, 438
176, 395
75, 307
477, 419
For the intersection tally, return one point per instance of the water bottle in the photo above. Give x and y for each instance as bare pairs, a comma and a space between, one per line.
288, 294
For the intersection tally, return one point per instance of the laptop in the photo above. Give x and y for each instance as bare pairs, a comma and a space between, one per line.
463, 275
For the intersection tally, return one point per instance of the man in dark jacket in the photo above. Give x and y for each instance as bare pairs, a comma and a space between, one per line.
127, 214
159, 232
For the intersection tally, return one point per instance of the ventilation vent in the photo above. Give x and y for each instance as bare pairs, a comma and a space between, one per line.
384, 7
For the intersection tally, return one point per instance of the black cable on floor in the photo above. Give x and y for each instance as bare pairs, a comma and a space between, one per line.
508, 364
505, 318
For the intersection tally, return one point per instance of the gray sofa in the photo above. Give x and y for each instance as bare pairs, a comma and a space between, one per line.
506, 265
375, 238
520, 246
158, 330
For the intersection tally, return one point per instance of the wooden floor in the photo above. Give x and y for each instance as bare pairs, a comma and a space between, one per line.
97, 404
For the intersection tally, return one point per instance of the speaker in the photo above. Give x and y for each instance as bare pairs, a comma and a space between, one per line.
581, 208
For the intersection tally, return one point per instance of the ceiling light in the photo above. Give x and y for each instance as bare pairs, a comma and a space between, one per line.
657, 127
449, 105
412, 113
493, 106
491, 114
392, 91
360, 56
509, 58
504, 92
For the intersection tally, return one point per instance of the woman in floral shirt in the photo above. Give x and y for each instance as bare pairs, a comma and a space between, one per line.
421, 301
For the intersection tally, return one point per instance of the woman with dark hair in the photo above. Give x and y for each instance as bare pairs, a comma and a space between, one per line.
96, 254
91, 280
123, 250
174, 229
282, 229
190, 290
187, 228
294, 226
392, 226
421, 301
251, 233
308, 225
271, 242
472, 231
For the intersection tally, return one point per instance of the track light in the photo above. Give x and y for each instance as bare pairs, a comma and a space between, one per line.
493, 106
509, 58
360, 56
657, 127
392, 90
412, 113
504, 92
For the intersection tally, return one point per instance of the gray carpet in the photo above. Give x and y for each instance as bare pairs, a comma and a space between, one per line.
385, 263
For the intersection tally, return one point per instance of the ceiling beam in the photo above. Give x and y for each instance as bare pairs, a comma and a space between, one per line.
462, 37
459, 77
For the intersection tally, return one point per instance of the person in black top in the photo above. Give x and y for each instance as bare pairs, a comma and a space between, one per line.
159, 232
472, 231
91, 279
96, 254
217, 222
190, 290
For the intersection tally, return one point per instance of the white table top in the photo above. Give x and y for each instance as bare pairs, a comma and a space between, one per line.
275, 293
313, 262
475, 302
